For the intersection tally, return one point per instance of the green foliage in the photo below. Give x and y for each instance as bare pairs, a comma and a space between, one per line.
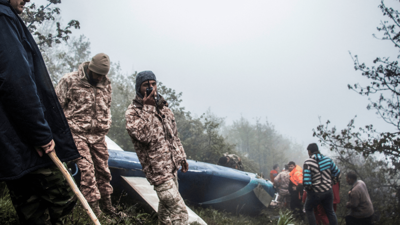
200, 136
384, 77
285, 217
68, 52
215, 217
135, 215
66, 58
123, 92
7, 212
61, 52
34, 16
380, 182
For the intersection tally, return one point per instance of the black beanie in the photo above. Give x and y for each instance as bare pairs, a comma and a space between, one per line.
142, 77
313, 148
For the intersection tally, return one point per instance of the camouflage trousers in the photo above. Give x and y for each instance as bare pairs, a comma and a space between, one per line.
284, 201
171, 208
95, 174
42, 196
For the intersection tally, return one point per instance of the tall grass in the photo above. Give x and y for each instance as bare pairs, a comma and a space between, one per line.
135, 215
215, 217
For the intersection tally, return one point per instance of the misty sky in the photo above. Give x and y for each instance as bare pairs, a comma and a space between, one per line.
287, 61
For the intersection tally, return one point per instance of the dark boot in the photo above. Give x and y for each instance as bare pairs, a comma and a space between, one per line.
97, 211
108, 208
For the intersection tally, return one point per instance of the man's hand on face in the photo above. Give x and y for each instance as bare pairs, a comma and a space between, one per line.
45, 148
185, 166
149, 100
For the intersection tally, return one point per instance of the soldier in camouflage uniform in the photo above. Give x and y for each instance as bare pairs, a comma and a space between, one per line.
231, 161
85, 96
152, 128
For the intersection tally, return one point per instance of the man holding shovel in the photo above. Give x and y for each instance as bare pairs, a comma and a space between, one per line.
31, 125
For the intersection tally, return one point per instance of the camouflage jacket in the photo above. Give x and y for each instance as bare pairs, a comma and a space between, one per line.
155, 138
282, 181
86, 107
234, 162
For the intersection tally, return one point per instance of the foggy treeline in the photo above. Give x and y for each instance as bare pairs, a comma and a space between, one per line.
261, 142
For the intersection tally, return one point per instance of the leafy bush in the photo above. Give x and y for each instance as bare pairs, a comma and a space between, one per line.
285, 218
7, 211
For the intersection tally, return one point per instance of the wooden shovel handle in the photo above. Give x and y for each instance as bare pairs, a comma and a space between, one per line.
71, 183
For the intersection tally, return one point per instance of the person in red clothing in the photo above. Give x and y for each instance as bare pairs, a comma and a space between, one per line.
274, 172
319, 212
336, 195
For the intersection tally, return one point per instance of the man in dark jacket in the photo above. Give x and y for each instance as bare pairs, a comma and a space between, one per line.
32, 123
359, 202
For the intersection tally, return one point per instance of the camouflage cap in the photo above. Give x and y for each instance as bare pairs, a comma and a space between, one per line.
100, 64
142, 77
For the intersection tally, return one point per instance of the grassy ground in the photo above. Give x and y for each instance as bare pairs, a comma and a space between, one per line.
268, 216
137, 215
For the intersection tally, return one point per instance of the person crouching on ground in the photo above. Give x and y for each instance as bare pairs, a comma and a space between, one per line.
152, 128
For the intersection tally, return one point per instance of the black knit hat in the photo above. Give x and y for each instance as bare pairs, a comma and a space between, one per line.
142, 77
313, 148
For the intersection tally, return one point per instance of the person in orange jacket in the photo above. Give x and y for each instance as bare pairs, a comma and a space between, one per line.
296, 189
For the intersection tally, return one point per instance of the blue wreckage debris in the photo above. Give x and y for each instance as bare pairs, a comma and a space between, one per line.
205, 184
